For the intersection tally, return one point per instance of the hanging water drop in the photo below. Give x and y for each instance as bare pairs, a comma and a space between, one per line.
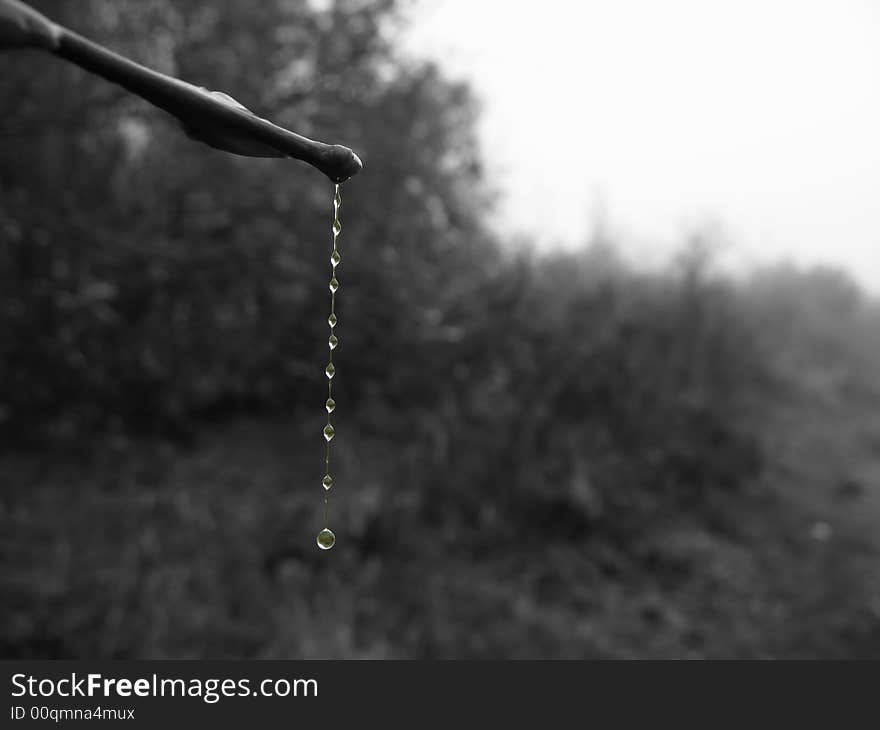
326, 539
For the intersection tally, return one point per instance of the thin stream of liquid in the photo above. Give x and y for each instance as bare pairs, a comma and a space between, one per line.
326, 539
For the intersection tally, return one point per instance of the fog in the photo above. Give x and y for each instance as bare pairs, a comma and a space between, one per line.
757, 118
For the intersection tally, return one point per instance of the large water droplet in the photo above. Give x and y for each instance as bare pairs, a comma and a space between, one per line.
326, 539
329, 432
337, 227
335, 258
327, 481
334, 285
331, 320
333, 342
330, 370
330, 405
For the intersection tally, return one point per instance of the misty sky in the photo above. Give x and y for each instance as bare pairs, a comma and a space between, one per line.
759, 119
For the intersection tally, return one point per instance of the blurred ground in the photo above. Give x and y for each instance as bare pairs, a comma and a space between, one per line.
158, 550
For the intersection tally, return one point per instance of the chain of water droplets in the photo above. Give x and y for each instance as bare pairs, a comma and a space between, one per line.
326, 538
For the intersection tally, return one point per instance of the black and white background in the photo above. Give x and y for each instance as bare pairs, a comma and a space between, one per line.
623, 446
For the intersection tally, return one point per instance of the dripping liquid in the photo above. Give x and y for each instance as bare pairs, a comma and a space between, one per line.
326, 539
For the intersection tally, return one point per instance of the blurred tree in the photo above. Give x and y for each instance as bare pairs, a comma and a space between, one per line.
148, 279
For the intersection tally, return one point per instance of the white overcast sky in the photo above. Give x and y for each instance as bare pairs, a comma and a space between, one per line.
761, 117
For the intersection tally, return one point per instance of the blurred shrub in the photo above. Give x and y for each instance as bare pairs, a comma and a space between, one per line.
584, 397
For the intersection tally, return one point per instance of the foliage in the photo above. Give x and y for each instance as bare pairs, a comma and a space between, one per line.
546, 447
148, 280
